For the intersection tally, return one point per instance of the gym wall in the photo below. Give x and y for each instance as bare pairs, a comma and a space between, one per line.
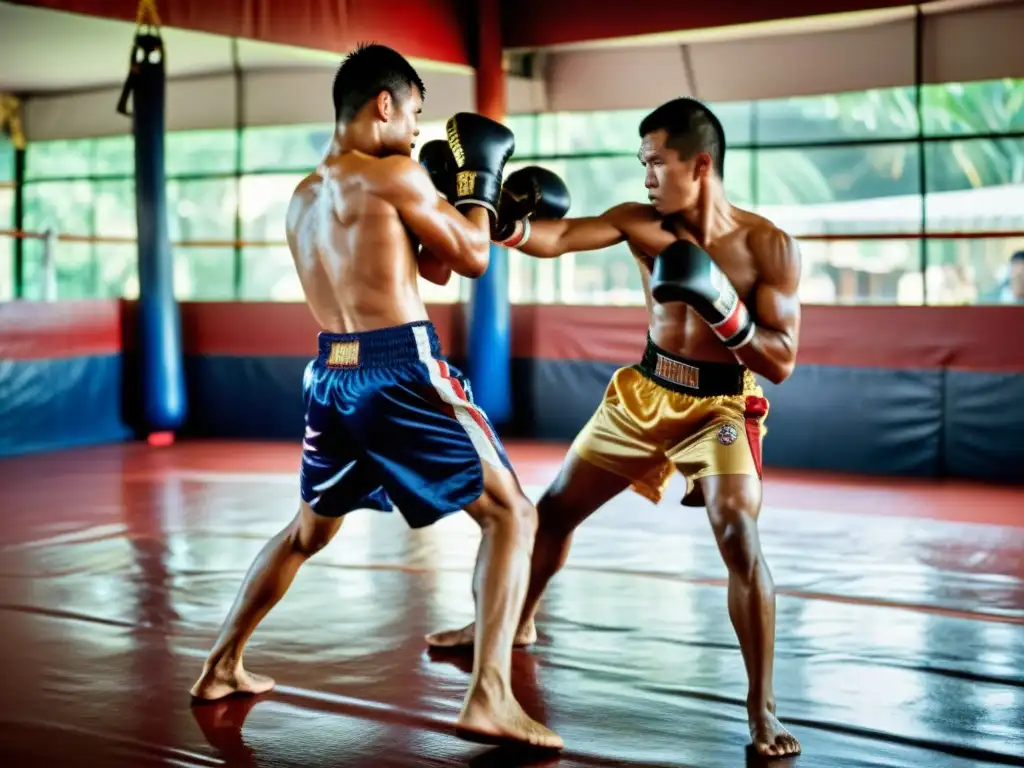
912, 391
61, 372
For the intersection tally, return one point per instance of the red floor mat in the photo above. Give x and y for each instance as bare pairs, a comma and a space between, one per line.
900, 633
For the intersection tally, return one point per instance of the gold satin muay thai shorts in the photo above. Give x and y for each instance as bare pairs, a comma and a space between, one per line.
667, 412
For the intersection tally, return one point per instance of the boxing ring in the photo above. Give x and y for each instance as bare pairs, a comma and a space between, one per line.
900, 614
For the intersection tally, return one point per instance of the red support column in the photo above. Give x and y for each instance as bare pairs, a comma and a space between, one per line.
491, 99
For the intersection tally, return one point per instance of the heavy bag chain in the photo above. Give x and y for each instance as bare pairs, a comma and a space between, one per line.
147, 15
148, 46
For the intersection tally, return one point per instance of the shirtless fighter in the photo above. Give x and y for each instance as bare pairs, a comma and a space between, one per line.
721, 289
387, 418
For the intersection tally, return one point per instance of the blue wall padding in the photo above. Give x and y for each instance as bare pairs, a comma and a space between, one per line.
246, 397
60, 403
983, 432
555, 398
871, 420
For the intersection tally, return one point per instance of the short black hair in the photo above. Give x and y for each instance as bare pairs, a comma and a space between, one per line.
1018, 256
691, 128
367, 71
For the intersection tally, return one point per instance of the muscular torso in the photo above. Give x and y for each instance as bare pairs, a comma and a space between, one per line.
676, 327
355, 258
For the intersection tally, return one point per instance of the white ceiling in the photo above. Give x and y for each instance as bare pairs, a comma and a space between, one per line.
52, 51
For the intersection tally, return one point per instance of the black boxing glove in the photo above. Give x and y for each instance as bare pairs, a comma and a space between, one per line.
481, 147
529, 193
685, 272
437, 158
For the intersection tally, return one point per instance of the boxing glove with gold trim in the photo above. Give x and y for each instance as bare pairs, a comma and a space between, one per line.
480, 147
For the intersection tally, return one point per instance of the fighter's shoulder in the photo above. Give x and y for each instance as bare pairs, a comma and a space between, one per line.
381, 176
305, 193
397, 178
766, 239
775, 251
626, 216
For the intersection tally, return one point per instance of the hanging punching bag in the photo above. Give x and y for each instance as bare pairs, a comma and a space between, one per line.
158, 321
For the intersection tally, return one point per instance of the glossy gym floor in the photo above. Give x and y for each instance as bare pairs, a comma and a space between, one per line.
900, 623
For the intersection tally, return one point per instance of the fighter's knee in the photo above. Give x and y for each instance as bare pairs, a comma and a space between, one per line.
518, 515
304, 544
307, 535
524, 518
578, 491
734, 520
551, 513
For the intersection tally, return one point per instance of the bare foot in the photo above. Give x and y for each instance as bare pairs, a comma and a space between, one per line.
457, 638
488, 718
216, 683
770, 737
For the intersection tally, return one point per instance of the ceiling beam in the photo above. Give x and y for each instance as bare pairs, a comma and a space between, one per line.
553, 23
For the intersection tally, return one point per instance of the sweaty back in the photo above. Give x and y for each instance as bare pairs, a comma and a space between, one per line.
354, 256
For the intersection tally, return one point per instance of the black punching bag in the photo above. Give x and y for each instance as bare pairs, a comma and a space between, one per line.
164, 402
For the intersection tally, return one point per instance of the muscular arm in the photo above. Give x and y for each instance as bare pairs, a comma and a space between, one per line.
549, 239
459, 242
431, 268
772, 352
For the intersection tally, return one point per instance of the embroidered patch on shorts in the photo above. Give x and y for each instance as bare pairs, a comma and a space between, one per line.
727, 434
344, 354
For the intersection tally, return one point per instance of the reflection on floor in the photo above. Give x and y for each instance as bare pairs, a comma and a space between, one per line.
900, 613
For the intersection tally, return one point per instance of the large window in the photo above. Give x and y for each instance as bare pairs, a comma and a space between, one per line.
846, 190
973, 186
862, 179
82, 192
226, 203
895, 196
